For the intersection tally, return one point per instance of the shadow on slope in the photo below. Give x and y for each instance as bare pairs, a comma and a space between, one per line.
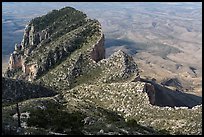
112, 45
133, 47
58, 119
18, 90
167, 97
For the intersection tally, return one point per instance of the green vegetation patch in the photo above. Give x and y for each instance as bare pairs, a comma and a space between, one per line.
88, 78
55, 118
67, 13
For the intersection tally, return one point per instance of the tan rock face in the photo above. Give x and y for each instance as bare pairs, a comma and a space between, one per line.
30, 69
98, 52
15, 61
31, 38
25, 40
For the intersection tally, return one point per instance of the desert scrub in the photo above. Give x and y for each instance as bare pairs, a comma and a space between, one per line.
55, 118
88, 78
65, 15
132, 123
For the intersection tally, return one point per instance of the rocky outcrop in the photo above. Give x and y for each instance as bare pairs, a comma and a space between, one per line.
25, 40
162, 96
32, 37
174, 82
43, 47
149, 89
131, 101
98, 52
30, 70
82, 69
118, 67
15, 61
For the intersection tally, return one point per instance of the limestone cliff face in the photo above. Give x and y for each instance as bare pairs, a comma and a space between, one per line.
15, 61
98, 52
32, 37
30, 70
42, 48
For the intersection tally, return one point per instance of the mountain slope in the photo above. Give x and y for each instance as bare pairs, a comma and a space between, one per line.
61, 61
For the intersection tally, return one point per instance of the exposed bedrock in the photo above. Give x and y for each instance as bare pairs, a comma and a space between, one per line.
162, 96
98, 52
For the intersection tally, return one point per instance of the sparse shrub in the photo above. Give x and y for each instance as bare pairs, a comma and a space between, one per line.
132, 123
164, 132
54, 118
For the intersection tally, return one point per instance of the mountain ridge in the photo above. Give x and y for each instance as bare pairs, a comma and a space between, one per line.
67, 55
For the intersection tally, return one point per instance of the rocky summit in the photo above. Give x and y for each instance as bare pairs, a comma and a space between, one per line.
58, 82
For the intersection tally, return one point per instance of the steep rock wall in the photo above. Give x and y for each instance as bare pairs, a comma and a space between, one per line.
149, 89
15, 61
32, 37
98, 52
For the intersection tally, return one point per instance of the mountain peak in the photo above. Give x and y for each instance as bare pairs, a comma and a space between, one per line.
50, 39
